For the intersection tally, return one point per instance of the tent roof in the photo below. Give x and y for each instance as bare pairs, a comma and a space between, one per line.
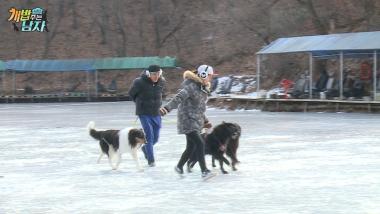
2, 66
88, 64
49, 65
133, 62
351, 43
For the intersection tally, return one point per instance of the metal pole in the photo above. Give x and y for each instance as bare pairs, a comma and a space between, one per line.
3, 85
88, 85
341, 75
96, 83
310, 75
258, 73
62, 86
13, 83
374, 75
13, 86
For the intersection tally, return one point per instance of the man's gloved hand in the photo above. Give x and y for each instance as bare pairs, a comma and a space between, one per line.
163, 111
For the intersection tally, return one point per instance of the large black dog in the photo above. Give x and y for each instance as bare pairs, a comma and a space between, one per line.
224, 138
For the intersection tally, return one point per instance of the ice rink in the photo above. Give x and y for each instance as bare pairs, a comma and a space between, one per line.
290, 163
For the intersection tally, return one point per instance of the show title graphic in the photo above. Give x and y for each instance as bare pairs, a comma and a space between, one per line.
28, 20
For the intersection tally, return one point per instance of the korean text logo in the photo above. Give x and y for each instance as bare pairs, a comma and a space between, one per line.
29, 20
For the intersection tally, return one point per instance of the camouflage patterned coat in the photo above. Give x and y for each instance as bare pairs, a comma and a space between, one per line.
191, 102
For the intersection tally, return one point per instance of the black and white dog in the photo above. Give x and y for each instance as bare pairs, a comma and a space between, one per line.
223, 139
114, 143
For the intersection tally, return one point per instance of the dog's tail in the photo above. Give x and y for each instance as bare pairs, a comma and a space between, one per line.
91, 130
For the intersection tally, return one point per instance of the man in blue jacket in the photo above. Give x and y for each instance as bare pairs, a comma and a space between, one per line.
146, 92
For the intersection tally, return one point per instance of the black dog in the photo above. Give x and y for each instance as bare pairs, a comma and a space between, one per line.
224, 138
232, 145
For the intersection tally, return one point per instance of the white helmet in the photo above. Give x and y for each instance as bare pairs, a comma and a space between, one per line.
204, 70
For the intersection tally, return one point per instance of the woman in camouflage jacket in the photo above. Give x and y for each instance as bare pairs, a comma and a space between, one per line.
191, 103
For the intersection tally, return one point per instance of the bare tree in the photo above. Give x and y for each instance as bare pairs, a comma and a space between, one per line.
102, 22
141, 21
370, 11
120, 48
165, 27
75, 20
326, 25
322, 27
154, 9
52, 33
258, 21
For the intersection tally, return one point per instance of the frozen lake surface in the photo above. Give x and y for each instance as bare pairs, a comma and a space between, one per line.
291, 163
